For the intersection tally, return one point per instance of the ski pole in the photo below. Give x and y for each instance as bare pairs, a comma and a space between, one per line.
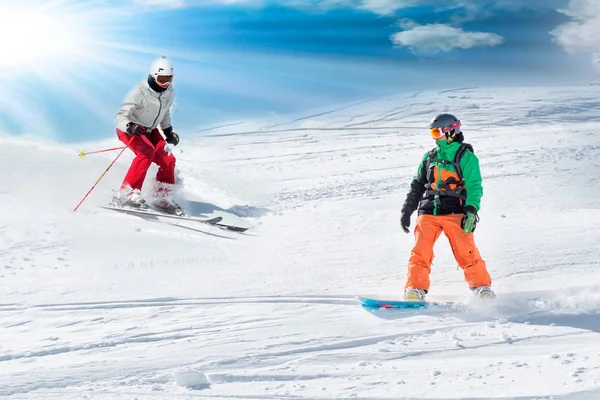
104, 173
82, 153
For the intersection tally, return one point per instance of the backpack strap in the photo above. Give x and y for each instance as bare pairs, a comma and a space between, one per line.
427, 166
431, 157
458, 156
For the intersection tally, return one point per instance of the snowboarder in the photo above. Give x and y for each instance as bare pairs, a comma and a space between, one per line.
447, 191
145, 109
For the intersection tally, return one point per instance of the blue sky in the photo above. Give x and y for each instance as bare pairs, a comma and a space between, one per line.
71, 62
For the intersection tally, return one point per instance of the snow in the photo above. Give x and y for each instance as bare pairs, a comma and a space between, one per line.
101, 305
191, 379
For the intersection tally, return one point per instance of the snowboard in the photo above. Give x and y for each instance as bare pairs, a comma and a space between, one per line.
390, 302
216, 221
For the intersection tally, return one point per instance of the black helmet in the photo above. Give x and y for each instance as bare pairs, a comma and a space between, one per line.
443, 120
448, 125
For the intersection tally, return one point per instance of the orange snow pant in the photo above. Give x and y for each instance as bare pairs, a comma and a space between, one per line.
427, 232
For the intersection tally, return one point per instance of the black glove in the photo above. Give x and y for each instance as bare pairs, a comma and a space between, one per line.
170, 136
136, 130
469, 220
405, 222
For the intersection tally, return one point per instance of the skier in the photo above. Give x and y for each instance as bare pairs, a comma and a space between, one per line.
447, 192
147, 107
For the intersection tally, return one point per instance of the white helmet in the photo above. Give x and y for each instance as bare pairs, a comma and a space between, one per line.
162, 67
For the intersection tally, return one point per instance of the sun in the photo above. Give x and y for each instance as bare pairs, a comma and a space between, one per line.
69, 59
34, 36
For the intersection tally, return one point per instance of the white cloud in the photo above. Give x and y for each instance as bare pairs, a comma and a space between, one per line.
380, 7
194, 3
161, 3
385, 7
583, 32
437, 38
466, 9
389, 7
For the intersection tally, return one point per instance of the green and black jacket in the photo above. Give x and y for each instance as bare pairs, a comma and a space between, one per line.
438, 188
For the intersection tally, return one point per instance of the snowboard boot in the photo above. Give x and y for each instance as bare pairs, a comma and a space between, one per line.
415, 294
484, 293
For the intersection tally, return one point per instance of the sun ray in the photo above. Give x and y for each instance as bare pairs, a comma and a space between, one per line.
65, 54
29, 117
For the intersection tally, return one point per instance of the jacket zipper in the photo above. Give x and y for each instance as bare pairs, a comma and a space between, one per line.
437, 184
159, 110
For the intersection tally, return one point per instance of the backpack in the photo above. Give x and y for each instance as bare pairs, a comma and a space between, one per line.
457, 157
458, 192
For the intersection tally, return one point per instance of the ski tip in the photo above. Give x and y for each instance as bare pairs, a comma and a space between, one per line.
216, 221
233, 228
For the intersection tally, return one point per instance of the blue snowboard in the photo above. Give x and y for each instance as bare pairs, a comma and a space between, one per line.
373, 302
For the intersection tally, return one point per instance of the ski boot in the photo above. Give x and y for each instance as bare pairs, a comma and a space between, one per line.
131, 199
169, 207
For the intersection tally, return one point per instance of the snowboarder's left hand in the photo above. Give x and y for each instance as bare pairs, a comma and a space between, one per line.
469, 220
405, 222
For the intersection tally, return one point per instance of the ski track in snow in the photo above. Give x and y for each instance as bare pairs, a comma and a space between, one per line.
101, 305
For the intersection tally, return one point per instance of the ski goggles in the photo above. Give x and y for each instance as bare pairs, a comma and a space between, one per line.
164, 79
439, 133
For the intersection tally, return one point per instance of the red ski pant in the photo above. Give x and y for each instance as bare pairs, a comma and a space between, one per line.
427, 232
148, 149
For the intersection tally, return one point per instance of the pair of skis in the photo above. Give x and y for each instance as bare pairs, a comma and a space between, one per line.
216, 221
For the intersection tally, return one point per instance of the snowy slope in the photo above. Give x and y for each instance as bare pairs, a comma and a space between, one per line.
101, 305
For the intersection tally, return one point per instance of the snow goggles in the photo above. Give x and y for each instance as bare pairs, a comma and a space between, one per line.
164, 80
439, 133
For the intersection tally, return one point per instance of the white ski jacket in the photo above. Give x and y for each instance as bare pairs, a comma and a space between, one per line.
144, 106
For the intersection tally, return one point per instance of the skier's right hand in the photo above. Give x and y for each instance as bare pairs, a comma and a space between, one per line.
405, 222
135, 129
